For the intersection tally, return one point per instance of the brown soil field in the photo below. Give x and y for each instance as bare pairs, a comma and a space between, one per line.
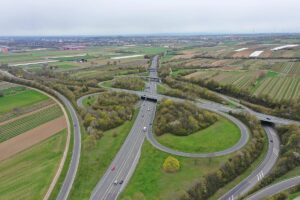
266, 54
32, 137
185, 54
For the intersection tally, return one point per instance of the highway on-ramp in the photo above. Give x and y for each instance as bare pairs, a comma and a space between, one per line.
264, 168
275, 188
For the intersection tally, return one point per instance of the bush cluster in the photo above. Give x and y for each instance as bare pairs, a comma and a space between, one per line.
181, 118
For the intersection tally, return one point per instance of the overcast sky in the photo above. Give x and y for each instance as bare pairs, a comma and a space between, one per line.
119, 17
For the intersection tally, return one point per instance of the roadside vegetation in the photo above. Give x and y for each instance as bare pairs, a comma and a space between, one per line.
289, 158
29, 173
130, 83
189, 91
181, 119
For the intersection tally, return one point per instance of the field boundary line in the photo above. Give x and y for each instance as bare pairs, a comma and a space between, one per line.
64, 157
26, 114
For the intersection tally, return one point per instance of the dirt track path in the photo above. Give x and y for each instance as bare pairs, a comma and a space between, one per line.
31, 137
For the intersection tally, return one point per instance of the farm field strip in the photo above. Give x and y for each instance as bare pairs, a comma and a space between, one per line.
291, 90
26, 109
275, 88
20, 99
282, 89
297, 93
24, 124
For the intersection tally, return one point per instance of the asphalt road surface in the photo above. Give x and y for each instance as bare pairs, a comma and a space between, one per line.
275, 188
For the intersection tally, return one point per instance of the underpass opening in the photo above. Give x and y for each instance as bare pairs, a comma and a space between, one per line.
267, 123
146, 98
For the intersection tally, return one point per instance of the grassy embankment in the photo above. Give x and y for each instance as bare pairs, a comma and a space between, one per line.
221, 135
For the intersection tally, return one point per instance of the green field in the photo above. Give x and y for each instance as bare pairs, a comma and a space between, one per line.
221, 135
29, 122
29, 173
154, 183
94, 162
20, 99
279, 88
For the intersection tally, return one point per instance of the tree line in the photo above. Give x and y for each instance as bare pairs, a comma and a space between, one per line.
190, 91
130, 83
233, 167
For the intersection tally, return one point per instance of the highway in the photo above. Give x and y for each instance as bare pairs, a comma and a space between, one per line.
69, 179
127, 158
122, 167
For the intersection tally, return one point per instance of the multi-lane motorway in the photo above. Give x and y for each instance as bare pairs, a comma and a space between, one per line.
123, 165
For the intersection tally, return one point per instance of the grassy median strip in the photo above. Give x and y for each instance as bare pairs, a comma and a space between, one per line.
95, 161
28, 174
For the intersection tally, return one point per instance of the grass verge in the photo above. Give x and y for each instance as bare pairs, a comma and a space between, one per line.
29, 173
220, 136
95, 161
154, 183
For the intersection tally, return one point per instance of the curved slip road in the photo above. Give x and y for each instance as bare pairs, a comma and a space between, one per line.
69, 179
275, 188
263, 169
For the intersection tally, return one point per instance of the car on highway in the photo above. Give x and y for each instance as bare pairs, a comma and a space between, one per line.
113, 168
116, 182
145, 129
148, 109
121, 182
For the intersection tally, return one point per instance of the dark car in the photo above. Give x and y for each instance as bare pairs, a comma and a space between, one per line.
121, 181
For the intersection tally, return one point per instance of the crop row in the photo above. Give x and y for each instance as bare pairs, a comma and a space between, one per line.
280, 88
27, 123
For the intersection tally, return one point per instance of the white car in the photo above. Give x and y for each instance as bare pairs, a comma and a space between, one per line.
145, 129
148, 109
116, 182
